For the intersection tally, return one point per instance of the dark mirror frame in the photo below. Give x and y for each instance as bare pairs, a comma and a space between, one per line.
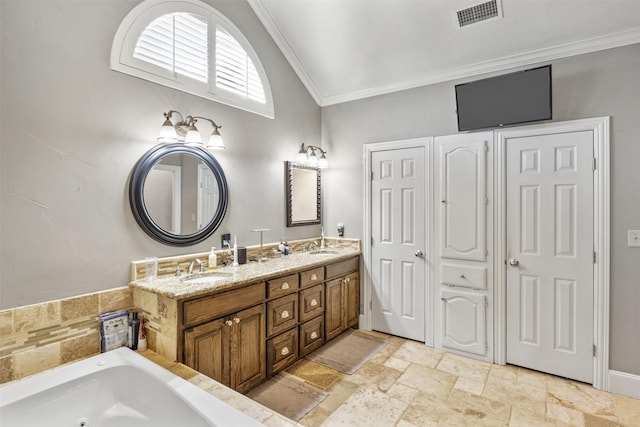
136, 194
289, 167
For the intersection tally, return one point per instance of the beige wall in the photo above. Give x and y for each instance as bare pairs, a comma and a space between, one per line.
72, 129
599, 84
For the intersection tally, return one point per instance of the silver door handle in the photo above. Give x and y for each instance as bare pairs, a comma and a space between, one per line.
419, 254
514, 262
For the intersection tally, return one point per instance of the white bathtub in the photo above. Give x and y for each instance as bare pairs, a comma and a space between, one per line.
118, 388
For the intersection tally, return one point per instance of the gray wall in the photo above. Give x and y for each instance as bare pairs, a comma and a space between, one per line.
600, 84
72, 129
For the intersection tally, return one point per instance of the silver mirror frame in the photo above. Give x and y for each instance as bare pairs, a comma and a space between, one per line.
136, 194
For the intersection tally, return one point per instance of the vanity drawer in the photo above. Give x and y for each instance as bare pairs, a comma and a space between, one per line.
311, 335
464, 275
282, 351
343, 267
282, 286
282, 314
311, 277
311, 302
202, 309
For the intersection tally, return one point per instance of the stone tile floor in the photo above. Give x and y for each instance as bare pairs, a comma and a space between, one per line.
409, 384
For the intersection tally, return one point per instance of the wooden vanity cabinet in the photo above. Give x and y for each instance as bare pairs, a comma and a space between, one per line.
342, 297
241, 336
230, 350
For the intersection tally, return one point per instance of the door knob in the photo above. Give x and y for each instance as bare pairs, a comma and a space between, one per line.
419, 254
514, 262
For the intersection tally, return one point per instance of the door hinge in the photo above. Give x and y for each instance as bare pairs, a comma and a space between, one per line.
371, 175
594, 350
594, 257
595, 164
486, 146
486, 302
370, 305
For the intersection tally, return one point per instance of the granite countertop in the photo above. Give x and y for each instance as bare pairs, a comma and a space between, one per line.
227, 277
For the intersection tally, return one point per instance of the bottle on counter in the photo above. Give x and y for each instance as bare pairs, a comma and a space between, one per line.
134, 331
213, 259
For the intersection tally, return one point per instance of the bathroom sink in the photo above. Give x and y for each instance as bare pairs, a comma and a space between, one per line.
323, 252
208, 278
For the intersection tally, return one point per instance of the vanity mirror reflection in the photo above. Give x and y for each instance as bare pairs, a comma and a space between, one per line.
303, 194
178, 194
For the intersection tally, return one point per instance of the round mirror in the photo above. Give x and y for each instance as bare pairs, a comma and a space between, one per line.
178, 194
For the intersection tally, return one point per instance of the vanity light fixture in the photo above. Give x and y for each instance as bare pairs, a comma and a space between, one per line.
185, 130
307, 155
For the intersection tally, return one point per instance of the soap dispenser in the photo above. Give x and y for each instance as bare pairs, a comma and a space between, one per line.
213, 259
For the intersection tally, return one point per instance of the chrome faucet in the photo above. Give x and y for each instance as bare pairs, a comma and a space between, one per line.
311, 245
192, 263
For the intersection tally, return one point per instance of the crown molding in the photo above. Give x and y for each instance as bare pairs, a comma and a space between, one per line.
595, 44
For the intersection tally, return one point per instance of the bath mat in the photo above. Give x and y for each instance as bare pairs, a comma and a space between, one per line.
348, 352
288, 396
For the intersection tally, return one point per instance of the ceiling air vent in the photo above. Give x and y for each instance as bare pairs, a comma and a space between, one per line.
479, 12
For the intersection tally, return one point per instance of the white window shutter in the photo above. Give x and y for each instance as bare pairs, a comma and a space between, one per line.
176, 42
234, 69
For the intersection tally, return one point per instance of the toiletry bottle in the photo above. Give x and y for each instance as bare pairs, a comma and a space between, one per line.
142, 337
134, 331
281, 246
213, 259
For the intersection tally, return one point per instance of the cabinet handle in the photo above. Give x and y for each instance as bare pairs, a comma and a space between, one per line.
462, 276
229, 323
314, 277
313, 302
347, 280
284, 314
314, 335
236, 319
284, 351
284, 286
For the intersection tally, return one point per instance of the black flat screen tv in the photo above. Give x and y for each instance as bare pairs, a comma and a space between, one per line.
520, 97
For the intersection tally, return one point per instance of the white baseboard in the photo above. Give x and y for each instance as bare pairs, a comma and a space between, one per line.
624, 384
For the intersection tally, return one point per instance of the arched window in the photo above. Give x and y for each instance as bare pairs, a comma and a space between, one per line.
190, 46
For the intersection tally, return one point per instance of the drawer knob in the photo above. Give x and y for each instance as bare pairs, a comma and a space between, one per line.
313, 302
284, 351
285, 285
284, 314
236, 319
229, 323
314, 277
314, 335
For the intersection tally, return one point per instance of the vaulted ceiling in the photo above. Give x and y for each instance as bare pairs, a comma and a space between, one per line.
350, 49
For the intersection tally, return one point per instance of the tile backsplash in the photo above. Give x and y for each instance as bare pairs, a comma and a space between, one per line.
38, 337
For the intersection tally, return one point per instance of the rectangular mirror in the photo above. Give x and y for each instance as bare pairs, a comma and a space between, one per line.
303, 194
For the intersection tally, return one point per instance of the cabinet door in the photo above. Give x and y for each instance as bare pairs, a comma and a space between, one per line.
248, 364
207, 350
334, 323
462, 197
464, 321
352, 295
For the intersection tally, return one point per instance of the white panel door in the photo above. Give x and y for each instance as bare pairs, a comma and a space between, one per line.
462, 175
398, 242
550, 253
464, 321
208, 194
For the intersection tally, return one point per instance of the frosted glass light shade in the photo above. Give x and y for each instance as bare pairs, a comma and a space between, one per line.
216, 142
167, 132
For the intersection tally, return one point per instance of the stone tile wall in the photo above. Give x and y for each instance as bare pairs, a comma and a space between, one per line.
38, 337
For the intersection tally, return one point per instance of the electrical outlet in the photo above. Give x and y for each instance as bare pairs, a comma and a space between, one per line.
340, 229
225, 239
633, 237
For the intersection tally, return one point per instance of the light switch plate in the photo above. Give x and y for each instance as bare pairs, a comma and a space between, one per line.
633, 237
